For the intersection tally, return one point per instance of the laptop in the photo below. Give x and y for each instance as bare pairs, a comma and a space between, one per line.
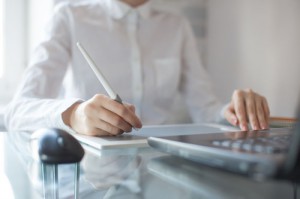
259, 154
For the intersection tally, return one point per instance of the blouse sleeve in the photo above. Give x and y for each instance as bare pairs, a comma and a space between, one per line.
36, 104
196, 85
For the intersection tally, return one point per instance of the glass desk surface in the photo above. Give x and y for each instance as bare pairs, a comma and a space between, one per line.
124, 173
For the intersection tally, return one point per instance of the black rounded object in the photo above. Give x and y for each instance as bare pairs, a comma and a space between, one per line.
56, 146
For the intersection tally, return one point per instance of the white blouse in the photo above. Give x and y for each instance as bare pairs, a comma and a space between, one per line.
149, 57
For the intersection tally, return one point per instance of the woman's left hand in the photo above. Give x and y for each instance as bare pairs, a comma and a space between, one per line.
246, 107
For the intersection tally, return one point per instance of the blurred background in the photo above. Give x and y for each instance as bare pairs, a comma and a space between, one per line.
243, 44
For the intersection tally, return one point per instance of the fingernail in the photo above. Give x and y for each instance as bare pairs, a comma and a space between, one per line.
244, 127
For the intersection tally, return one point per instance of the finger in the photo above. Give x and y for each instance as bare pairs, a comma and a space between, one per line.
251, 110
97, 127
121, 110
260, 113
107, 127
239, 109
96, 132
114, 120
230, 115
267, 111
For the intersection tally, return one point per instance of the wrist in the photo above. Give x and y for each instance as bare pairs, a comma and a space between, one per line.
68, 114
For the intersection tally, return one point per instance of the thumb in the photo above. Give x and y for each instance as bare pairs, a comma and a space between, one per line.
230, 116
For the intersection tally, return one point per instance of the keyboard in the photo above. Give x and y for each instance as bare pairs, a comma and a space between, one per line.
273, 144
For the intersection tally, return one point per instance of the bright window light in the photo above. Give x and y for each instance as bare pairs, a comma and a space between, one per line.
1, 37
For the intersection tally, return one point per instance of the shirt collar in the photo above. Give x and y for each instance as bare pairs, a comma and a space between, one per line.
118, 9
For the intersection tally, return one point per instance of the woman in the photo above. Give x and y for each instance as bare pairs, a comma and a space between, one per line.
150, 58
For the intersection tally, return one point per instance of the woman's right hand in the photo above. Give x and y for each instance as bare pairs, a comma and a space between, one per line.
101, 116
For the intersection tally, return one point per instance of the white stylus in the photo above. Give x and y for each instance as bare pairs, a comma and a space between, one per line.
99, 75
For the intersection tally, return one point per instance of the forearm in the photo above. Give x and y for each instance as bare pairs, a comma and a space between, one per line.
29, 114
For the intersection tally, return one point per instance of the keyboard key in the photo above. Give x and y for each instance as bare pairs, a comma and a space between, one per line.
237, 144
226, 143
275, 144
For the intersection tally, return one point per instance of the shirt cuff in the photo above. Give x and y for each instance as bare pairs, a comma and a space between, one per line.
56, 120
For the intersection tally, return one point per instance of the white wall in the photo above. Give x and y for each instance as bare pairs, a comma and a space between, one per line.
13, 47
256, 43
38, 15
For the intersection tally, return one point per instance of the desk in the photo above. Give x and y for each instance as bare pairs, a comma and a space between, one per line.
130, 173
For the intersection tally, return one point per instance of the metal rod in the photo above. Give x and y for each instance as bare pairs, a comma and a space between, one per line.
44, 180
76, 180
56, 182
